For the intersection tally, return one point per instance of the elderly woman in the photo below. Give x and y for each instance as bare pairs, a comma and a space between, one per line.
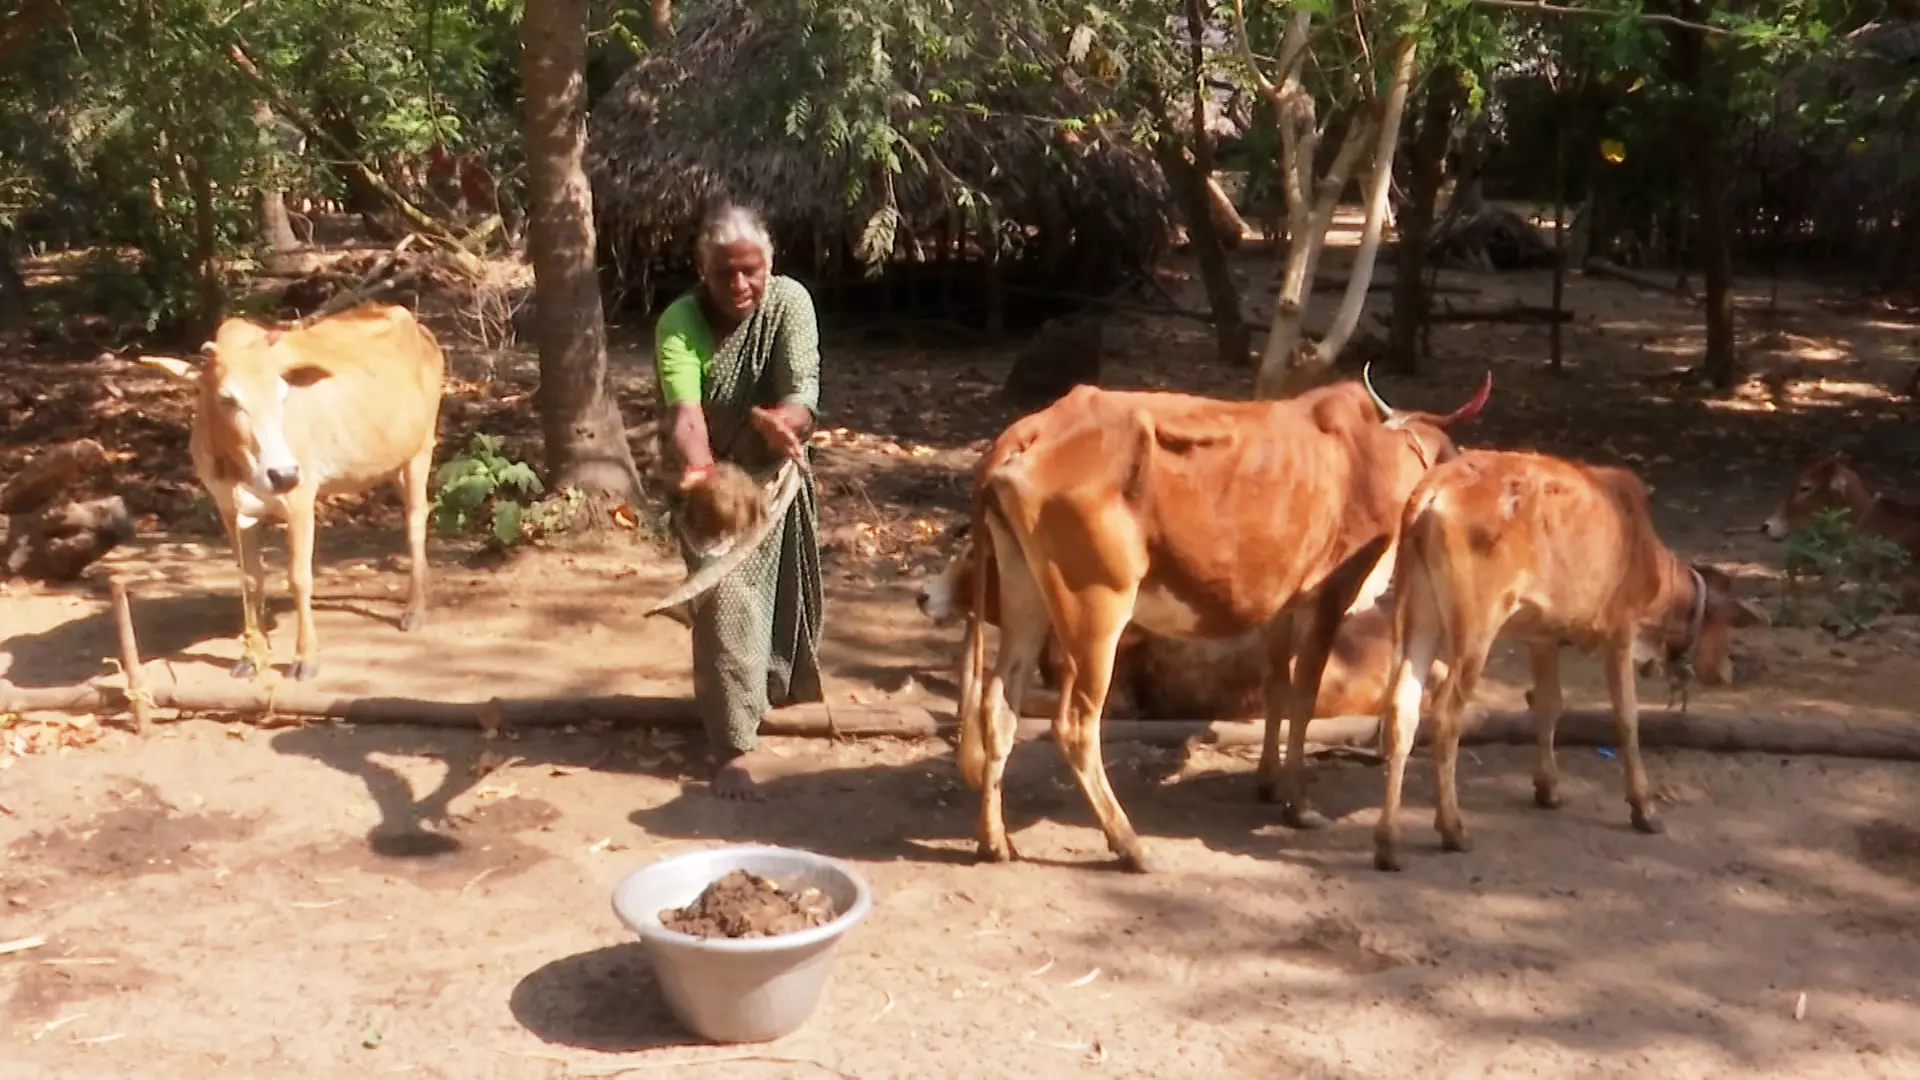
739, 365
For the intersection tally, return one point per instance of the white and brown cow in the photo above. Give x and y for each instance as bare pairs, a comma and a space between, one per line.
283, 416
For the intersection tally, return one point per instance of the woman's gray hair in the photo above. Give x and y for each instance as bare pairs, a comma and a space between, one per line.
730, 224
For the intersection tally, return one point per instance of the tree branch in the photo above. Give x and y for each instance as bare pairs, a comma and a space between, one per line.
1544, 8
423, 222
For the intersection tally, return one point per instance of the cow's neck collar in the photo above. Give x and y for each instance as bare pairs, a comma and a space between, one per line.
1679, 661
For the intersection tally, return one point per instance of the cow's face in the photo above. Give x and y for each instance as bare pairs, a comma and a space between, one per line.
945, 594
1713, 653
243, 391
1822, 486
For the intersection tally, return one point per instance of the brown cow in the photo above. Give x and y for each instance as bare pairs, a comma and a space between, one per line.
1194, 517
284, 416
1162, 677
1554, 553
1830, 484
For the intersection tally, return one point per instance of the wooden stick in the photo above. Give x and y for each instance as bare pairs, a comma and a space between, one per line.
374, 282
137, 697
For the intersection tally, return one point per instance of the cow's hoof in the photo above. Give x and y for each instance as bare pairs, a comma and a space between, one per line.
1546, 798
996, 853
1644, 821
302, 670
1386, 859
411, 621
1269, 792
1137, 861
1455, 842
243, 670
1306, 818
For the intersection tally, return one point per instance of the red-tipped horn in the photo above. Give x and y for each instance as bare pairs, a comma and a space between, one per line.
1474, 404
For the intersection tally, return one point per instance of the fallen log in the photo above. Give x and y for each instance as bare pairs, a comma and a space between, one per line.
262, 700
45, 540
1785, 735
1511, 313
57, 544
1606, 268
39, 480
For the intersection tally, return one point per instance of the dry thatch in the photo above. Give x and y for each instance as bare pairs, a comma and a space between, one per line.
1088, 209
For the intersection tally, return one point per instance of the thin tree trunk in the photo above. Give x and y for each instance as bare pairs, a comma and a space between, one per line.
586, 443
13, 288
1189, 168
1187, 179
1554, 358
206, 241
1410, 297
24, 25
1306, 364
276, 228
1705, 128
1716, 254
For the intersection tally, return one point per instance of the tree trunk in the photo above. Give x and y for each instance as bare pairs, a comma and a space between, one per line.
363, 198
586, 441
14, 307
210, 272
1705, 128
276, 228
1305, 365
24, 25
1716, 254
1410, 298
1189, 169
1555, 358
1187, 177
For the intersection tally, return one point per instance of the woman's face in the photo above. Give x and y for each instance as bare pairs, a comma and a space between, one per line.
736, 277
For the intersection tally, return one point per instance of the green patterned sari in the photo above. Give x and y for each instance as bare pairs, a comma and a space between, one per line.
756, 633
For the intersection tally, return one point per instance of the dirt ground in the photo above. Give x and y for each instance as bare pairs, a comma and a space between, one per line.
316, 901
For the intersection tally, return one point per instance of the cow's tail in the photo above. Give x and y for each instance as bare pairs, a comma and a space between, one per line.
971, 755
1420, 587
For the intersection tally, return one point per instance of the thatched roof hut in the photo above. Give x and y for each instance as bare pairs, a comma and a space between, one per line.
1077, 211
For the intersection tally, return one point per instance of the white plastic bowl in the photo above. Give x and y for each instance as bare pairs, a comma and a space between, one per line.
740, 990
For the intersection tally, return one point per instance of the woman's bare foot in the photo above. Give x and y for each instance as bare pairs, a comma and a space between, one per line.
741, 776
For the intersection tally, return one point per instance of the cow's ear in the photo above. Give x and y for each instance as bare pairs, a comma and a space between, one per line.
174, 366
305, 375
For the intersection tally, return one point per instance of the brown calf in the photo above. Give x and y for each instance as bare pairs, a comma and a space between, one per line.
284, 416
1192, 517
1830, 484
1552, 552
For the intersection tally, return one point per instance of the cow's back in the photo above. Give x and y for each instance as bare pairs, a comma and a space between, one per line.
381, 404
1572, 545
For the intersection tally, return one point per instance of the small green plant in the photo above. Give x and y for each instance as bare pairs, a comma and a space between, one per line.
1858, 572
482, 481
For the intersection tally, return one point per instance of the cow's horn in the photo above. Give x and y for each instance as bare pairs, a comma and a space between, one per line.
1366, 377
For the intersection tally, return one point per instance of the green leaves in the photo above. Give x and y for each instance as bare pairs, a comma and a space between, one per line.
483, 478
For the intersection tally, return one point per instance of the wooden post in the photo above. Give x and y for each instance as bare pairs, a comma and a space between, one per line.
137, 698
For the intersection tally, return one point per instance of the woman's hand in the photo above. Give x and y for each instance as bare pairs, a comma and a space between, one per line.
775, 430
695, 475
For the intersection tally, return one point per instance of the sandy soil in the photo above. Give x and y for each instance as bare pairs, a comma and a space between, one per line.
223, 900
